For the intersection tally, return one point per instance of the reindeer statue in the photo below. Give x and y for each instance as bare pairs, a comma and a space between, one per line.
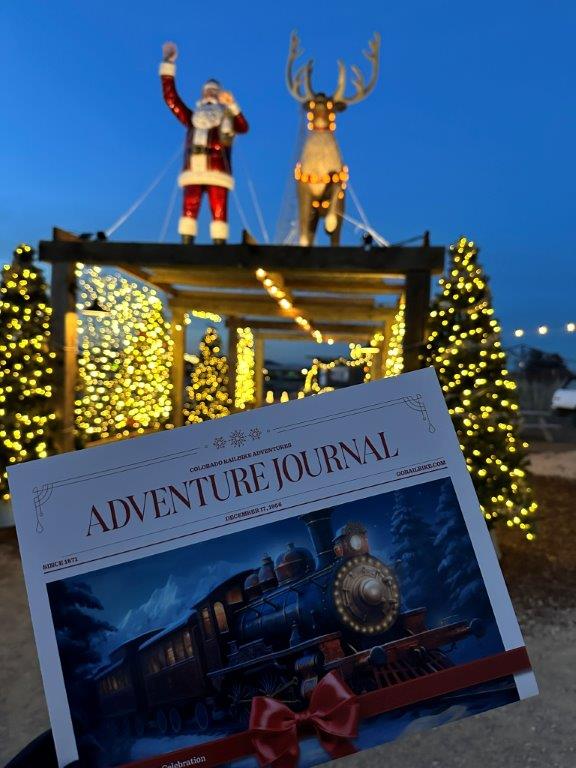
320, 175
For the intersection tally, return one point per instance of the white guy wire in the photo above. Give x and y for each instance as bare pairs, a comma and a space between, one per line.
138, 202
258, 210
360, 225
240, 210
169, 212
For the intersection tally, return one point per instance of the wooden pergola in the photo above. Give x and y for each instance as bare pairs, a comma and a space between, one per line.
336, 288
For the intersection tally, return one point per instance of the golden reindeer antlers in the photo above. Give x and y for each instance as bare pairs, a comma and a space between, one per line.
362, 88
300, 83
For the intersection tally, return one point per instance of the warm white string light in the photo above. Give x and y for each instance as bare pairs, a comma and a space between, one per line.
275, 288
544, 330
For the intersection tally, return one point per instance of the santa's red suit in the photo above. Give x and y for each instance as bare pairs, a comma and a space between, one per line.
207, 168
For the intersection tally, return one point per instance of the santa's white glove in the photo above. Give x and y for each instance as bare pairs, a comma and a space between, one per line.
169, 52
226, 98
169, 55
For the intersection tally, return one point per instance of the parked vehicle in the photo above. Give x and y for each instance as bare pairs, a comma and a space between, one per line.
564, 398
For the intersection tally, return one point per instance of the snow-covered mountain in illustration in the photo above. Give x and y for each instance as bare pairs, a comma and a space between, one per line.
168, 603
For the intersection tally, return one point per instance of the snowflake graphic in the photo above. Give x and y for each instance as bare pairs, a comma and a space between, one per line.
219, 442
255, 433
238, 438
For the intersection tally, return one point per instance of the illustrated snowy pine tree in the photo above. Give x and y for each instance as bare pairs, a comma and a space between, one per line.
78, 627
457, 567
208, 389
414, 554
27, 416
465, 348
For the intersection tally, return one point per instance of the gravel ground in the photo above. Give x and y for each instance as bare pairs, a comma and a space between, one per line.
537, 732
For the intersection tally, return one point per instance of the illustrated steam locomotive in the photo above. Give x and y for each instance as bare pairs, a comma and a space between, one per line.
275, 631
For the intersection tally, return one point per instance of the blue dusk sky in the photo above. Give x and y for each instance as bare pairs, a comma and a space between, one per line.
470, 129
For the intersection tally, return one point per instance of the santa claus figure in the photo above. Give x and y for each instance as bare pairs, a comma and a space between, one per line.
211, 128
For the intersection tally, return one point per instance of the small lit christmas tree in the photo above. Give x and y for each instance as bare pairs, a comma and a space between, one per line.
394, 362
27, 418
245, 390
465, 348
208, 389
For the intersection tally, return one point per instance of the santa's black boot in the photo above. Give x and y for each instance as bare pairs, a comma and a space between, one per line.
218, 241
187, 239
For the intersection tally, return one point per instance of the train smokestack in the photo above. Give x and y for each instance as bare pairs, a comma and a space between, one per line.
319, 526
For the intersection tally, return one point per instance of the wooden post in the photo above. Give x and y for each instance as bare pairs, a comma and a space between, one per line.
64, 342
178, 333
387, 333
379, 359
258, 365
233, 323
417, 292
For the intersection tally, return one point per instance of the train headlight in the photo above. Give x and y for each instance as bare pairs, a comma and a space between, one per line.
356, 542
351, 539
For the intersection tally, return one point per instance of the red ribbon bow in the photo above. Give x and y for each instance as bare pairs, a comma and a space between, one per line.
334, 714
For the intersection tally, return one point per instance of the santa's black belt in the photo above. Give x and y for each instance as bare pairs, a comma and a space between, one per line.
199, 150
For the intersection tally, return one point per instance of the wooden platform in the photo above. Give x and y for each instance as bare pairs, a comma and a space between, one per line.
348, 293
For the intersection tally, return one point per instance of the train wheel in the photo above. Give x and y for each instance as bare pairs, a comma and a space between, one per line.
240, 697
202, 716
162, 722
276, 686
175, 719
112, 729
126, 726
138, 726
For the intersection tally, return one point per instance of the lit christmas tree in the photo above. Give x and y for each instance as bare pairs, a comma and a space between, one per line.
245, 388
208, 389
125, 357
465, 348
394, 363
27, 419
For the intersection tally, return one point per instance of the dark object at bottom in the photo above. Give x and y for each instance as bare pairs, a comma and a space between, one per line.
187, 240
40, 752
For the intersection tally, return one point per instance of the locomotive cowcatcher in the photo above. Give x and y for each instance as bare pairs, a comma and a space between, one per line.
275, 631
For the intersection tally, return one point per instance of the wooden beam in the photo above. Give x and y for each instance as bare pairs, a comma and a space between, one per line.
301, 336
196, 299
169, 278
395, 260
327, 329
178, 333
329, 310
144, 277
64, 342
416, 317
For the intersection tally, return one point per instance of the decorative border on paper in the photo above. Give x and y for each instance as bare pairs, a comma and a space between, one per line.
41, 494
416, 403
413, 402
